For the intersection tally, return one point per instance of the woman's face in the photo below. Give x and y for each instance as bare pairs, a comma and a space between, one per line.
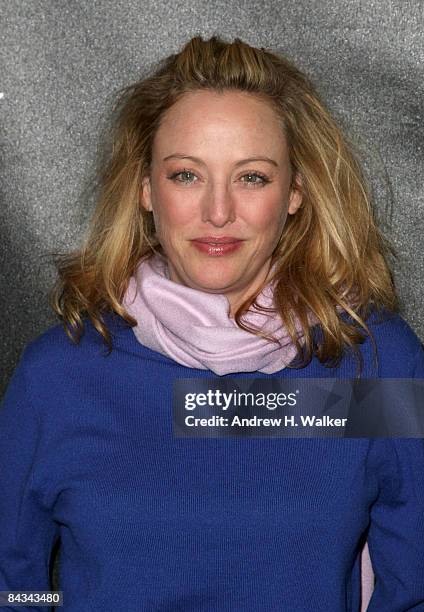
210, 179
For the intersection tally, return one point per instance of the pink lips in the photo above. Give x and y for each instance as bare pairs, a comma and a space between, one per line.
217, 239
217, 246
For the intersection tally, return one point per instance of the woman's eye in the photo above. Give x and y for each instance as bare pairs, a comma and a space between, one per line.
185, 175
262, 180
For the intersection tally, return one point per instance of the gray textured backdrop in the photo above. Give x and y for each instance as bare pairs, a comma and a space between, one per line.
62, 60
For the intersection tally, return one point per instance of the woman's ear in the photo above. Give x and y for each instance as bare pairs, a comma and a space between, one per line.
146, 194
295, 196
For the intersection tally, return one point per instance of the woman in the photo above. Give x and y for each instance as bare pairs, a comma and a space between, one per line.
233, 236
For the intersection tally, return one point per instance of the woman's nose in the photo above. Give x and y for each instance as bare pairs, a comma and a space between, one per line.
218, 206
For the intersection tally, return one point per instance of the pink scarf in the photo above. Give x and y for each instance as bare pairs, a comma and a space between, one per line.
193, 327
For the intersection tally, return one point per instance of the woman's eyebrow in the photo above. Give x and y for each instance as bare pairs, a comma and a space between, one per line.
239, 163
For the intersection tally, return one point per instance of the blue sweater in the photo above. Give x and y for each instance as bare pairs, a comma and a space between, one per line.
150, 522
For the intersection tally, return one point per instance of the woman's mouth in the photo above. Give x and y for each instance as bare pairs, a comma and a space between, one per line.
216, 249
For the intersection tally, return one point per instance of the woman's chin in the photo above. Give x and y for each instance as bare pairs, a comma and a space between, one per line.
212, 278
213, 286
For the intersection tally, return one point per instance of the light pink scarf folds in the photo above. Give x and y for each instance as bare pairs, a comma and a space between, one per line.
194, 329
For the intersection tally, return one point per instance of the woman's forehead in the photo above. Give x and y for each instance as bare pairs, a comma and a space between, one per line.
230, 103
229, 120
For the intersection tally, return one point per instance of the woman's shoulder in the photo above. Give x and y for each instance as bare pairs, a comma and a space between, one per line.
393, 328
400, 350
53, 346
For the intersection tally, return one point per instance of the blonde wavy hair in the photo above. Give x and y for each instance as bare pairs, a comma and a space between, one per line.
331, 256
